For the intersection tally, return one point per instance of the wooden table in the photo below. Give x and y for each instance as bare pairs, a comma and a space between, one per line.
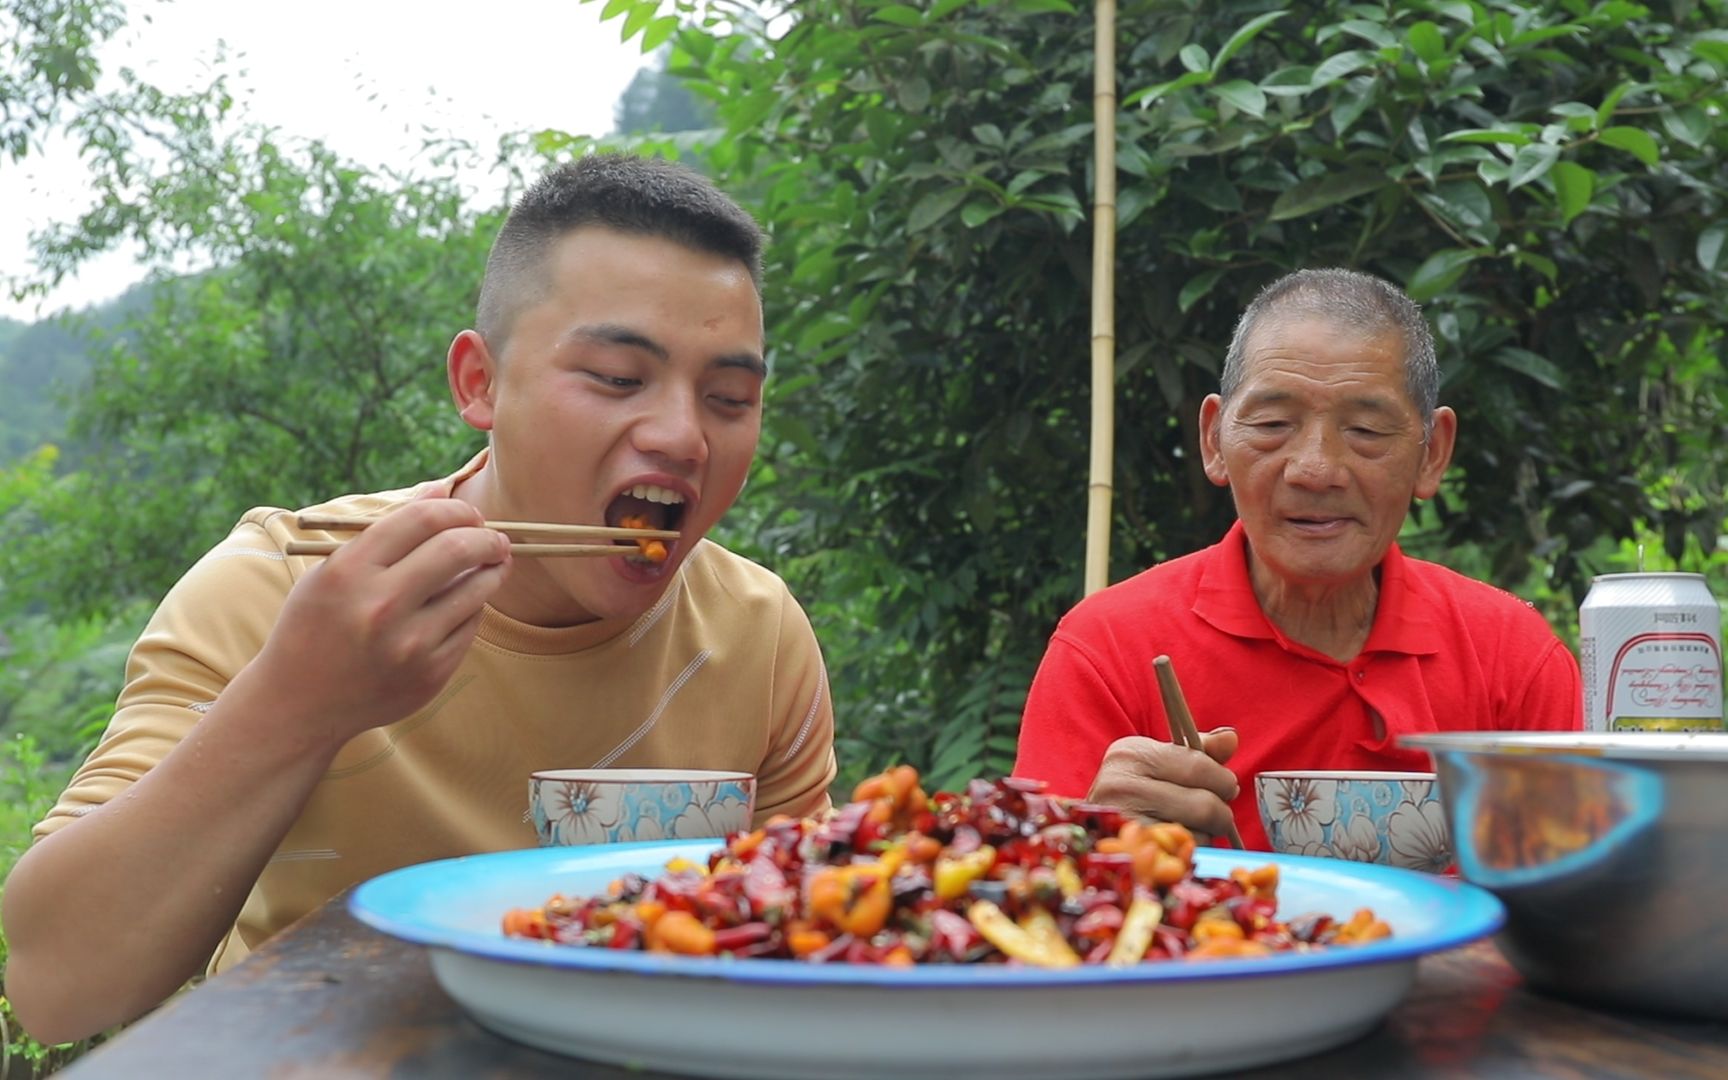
331, 998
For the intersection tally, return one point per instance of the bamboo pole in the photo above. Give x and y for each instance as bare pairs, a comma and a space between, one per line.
1099, 487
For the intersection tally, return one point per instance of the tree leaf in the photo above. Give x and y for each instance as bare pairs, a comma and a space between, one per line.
1525, 362
1328, 189
1688, 123
1352, 101
1542, 264
1338, 66
1440, 271
1426, 41
1289, 81
1605, 111
899, 15
1713, 51
1501, 136
658, 32
1196, 289
934, 207
637, 19
1371, 32
1710, 246
1244, 95
1148, 96
913, 94
1635, 141
1194, 58
1573, 187
1466, 203
1579, 116
1243, 36
978, 212
1531, 163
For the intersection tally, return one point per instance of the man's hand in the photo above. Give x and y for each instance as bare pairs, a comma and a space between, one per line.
375, 631
1170, 783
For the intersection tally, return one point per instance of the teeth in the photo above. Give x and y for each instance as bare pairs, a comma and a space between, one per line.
655, 494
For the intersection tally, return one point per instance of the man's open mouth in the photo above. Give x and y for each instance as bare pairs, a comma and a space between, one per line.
646, 506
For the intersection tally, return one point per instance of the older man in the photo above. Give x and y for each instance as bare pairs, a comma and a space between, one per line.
1305, 639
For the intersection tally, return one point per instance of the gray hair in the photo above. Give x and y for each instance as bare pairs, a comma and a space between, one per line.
1351, 301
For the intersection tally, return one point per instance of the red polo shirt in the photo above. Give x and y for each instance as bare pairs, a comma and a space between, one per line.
1446, 653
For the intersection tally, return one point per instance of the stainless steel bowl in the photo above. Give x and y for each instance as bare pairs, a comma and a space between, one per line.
1610, 852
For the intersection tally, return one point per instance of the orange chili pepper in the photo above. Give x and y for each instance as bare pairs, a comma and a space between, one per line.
525, 922
652, 550
680, 932
854, 899
805, 940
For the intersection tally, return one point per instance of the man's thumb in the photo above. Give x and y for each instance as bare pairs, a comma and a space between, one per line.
1220, 743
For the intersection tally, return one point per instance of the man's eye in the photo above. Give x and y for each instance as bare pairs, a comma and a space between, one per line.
732, 402
615, 382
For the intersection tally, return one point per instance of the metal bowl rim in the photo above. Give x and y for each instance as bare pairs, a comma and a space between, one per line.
1699, 747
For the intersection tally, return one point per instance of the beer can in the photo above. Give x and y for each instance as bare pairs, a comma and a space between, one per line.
1650, 650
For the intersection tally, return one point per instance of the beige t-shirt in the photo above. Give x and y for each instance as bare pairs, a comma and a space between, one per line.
723, 672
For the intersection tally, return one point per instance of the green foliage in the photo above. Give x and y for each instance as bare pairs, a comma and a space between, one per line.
47, 61
1546, 176
307, 363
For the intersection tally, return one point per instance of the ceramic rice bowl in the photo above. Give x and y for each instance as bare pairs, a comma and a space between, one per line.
610, 806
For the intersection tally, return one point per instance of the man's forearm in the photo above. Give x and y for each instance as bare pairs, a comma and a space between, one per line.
113, 913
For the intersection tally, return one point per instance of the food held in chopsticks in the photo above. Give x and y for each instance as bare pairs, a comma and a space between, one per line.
1000, 873
652, 550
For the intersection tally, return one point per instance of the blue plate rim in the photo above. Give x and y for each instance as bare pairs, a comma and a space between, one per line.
1472, 913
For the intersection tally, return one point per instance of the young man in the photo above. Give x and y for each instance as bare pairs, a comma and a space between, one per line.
291, 726
1305, 638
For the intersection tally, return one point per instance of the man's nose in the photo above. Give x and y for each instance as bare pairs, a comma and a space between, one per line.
1315, 459
672, 428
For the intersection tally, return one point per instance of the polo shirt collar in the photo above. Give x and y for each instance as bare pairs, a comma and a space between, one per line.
1224, 598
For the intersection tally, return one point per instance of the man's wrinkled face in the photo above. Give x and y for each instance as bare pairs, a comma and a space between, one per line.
632, 389
1322, 449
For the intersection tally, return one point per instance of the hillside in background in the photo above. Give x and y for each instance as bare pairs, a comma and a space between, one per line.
43, 364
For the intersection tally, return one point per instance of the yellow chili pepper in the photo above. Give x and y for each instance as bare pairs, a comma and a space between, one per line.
1041, 947
1068, 878
1135, 937
954, 876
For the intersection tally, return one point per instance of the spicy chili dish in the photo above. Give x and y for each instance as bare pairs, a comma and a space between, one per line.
999, 873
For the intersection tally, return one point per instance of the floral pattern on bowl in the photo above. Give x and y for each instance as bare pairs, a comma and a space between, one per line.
610, 806
1395, 819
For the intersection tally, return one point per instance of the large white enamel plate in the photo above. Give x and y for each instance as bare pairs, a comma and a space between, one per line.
784, 1019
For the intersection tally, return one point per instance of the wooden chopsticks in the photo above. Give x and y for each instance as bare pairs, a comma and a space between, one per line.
1182, 728
537, 551
339, 523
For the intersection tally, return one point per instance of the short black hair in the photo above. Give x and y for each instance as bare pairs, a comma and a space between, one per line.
1350, 300
644, 196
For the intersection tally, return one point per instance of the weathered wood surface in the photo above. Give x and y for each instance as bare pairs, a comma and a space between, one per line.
330, 998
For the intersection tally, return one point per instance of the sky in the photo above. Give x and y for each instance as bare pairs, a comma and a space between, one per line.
362, 75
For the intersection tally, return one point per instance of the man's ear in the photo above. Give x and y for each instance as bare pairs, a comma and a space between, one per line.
472, 370
1437, 455
1211, 445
